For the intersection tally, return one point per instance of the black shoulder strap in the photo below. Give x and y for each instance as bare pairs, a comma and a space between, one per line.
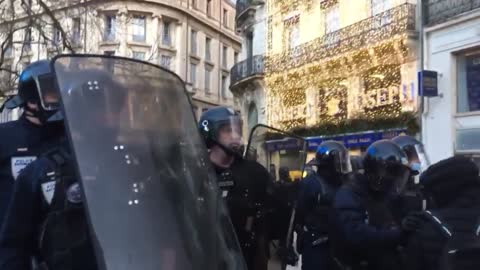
442, 228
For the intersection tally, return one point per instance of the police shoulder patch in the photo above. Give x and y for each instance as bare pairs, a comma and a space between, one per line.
48, 189
19, 163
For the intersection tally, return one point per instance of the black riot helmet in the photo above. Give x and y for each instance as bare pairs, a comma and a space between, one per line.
386, 167
417, 158
95, 101
333, 155
213, 120
36, 85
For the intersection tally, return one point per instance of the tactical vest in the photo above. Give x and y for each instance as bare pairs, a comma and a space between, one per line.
317, 220
245, 212
64, 240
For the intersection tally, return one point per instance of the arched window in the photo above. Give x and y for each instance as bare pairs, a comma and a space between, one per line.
252, 115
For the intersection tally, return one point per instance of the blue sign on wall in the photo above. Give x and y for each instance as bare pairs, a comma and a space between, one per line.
428, 83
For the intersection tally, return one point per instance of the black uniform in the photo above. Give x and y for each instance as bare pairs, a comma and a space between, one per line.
454, 187
20, 143
46, 218
245, 187
315, 198
363, 230
284, 193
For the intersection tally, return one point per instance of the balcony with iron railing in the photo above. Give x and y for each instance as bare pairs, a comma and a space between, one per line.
383, 26
245, 9
438, 11
249, 68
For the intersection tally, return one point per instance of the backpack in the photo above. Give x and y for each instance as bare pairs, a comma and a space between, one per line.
461, 250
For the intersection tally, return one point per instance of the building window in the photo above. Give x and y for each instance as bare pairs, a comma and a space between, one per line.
252, 115
224, 86
225, 17
139, 28
194, 4
291, 34
166, 34
468, 82
379, 7
138, 55
193, 74
166, 61
208, 75
249, 43
294, 36
9, 49
332, 19
209, 8
235, 57
76, 30
224, 56
109, 63
110, 27
57, 37
27, 44
193, 42
208, 45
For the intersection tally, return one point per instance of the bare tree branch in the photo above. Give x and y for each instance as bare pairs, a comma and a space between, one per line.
66, 43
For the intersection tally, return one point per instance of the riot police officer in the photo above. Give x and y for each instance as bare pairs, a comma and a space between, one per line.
315, 198
448, 238
45, 219
284, 196
411, 199
244, 183
22, 140
117, 169
415, 152
364, 232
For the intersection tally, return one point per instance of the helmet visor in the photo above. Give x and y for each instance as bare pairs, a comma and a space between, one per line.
417, 158
342, 162
394, 177
228, 132
47, 91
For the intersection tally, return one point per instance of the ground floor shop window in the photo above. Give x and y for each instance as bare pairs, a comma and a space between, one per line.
468, 82
467, 140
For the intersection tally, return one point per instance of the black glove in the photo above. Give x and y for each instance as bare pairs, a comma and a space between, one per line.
413, 221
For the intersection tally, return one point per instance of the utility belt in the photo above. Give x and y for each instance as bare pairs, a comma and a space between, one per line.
314, 236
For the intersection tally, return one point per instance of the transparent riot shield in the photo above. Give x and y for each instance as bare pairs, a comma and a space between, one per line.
150, 194
284, 155
275, 149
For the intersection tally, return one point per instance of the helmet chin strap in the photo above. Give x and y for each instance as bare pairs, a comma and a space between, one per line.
228, 151
39, 114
